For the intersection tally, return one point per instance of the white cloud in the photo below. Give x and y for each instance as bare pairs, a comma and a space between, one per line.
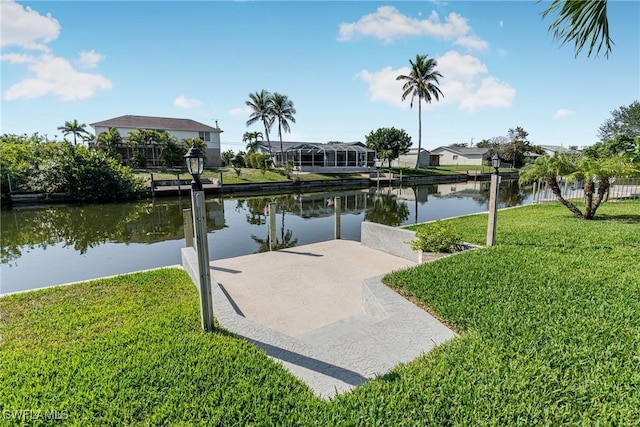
387, 24
491, 93
465, 83
17, 58
383, 85
454, 66
240, 111
183, 102
562, 113
472, 42
501, 23
55, 76
26, 28
90, 59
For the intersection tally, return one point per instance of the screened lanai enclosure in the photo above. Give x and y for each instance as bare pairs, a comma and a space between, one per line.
318, 157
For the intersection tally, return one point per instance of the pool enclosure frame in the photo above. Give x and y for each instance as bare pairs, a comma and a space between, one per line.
317, 157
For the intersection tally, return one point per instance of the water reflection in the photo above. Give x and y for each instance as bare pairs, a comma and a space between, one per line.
387, 209
41, 246
85, 227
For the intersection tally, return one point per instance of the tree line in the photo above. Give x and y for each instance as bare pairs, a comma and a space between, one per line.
165, 148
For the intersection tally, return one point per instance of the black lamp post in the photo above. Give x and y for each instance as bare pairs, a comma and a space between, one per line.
493, 201
195, 165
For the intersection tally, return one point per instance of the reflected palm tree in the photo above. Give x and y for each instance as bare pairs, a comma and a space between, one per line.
286, 239
387, 210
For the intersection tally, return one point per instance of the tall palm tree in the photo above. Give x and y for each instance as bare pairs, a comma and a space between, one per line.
260, 104
75, 128
581, 22
422, 82
283, 112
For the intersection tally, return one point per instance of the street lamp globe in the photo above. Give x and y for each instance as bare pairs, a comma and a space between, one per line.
195, 165
195, 161
495, 162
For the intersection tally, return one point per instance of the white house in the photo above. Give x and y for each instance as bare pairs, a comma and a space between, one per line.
550, 150
458, 156
179, 128
408, 160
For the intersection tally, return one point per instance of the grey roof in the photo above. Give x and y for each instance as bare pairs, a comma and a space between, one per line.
558, 149
462, 150
415, 151
295, 145
146, 122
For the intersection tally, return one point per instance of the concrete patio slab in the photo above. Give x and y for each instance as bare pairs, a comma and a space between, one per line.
322, 311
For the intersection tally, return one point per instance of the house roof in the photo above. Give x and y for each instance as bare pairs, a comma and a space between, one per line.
146, 122
319, 146
558, 149
464, 151
414, 151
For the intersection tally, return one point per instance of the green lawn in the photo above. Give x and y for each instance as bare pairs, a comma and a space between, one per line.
248, 175
549, 323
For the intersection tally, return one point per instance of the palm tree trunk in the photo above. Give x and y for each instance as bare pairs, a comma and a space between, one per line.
282, 162
588, 199
555, 188
419, 132
266, 131
603, 188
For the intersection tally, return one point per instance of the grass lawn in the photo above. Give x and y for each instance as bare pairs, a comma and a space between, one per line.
549, 323
247, 175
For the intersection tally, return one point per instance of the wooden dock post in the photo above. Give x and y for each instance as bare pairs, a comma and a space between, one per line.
337, 231
272, 226
187, 218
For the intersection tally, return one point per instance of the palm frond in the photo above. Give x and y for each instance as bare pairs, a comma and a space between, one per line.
581, 22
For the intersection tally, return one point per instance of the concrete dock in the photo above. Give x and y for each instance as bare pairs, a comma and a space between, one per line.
322, 311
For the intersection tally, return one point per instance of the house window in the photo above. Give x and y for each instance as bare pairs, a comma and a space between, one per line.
455, 157
205, 136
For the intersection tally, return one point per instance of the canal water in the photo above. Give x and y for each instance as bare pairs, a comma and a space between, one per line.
48, 245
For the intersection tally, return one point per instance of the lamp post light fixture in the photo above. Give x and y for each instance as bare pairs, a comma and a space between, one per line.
195, 165
493, 201
495, 162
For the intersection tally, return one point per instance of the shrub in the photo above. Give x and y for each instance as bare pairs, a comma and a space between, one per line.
436, 237
59, 167
139, 160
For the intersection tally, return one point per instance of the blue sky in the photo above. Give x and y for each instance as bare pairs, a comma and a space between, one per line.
337, 61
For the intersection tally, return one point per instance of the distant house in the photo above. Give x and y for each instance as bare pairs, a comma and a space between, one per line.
409, 159
553, 149
179, 128
319, 157
459, 156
